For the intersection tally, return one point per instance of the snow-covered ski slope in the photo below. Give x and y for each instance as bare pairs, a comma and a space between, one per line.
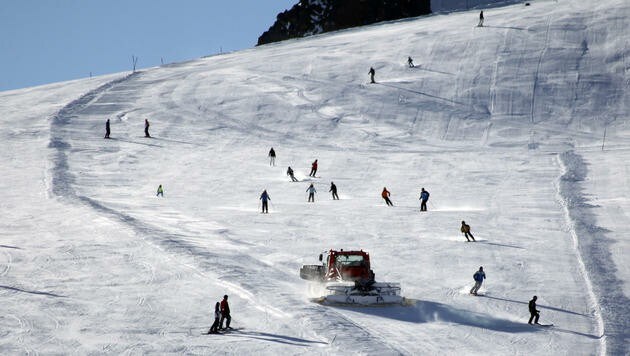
503, 125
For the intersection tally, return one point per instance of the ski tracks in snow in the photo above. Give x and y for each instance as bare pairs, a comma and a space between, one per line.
610, 306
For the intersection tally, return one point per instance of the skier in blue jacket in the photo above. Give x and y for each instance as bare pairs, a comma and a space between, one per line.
265, 197
424, 197
311, 193
479, 276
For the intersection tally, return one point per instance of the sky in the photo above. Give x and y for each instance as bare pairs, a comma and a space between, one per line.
46, 41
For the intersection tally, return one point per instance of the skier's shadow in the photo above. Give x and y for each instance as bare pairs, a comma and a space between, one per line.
508, 28
426, 312
538, 305
419, 67
136, 143
421, 93
32, 292
282, 339
13, 247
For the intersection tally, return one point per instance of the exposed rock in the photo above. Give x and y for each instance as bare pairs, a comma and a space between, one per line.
310, 17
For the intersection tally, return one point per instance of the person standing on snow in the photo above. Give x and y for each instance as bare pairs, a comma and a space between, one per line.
313, 169
272, 157
479, 276
225, 313
480, 19
372, 72
333, 189
465, 229
410, 62
264, 197
160, 191
217, 315
534, 313
385, 194
424, 197
311, 193
107, 131
146, 128
290, 174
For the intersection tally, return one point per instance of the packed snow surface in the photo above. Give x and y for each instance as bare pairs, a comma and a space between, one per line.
504, 125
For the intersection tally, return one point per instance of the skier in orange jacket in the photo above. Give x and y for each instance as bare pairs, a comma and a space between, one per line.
385, 194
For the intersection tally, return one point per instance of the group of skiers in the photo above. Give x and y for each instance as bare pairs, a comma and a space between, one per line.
221, 314
311, 190
108, 130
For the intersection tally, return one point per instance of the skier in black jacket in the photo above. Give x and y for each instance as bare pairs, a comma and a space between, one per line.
290, 174
534, 313
333, 189
217, 316
107, 131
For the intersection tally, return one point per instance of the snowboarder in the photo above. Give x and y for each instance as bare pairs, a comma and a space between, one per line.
534, 313
313, 169
265, 198
480, 19
160, 191
479, 276
424, 197
385, 194
217, 315
372, 72
290, 174
146, 128
465, 229
225, 314
410, 62
272, 157
311, 193
333, 189
107, 131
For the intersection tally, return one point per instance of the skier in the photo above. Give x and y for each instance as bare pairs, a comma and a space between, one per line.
217, 316
465, 229
265, 197
146, 128
290, 174
313, 169
385, 194
107, 131
272, 157
333, 189
534, 313
480, 19
311, 193
479, 276
225, 314
372, 72
410, 62
424, 197
160, 191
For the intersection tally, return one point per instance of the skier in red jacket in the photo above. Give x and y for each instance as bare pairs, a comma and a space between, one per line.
313, 169
225, 313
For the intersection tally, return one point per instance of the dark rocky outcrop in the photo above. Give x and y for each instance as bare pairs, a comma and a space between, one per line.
310, 17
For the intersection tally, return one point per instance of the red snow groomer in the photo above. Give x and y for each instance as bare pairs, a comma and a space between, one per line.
349, 279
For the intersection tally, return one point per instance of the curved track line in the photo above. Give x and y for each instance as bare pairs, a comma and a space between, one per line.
63, 186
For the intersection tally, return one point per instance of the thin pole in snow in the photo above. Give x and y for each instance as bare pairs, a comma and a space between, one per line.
604, 139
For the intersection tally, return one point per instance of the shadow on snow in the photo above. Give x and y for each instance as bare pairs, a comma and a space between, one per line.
426, 312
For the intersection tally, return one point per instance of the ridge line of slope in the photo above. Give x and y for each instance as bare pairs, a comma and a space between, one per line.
610, 306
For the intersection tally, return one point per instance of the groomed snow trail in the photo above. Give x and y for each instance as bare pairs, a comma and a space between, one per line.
93, 262
611, 305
